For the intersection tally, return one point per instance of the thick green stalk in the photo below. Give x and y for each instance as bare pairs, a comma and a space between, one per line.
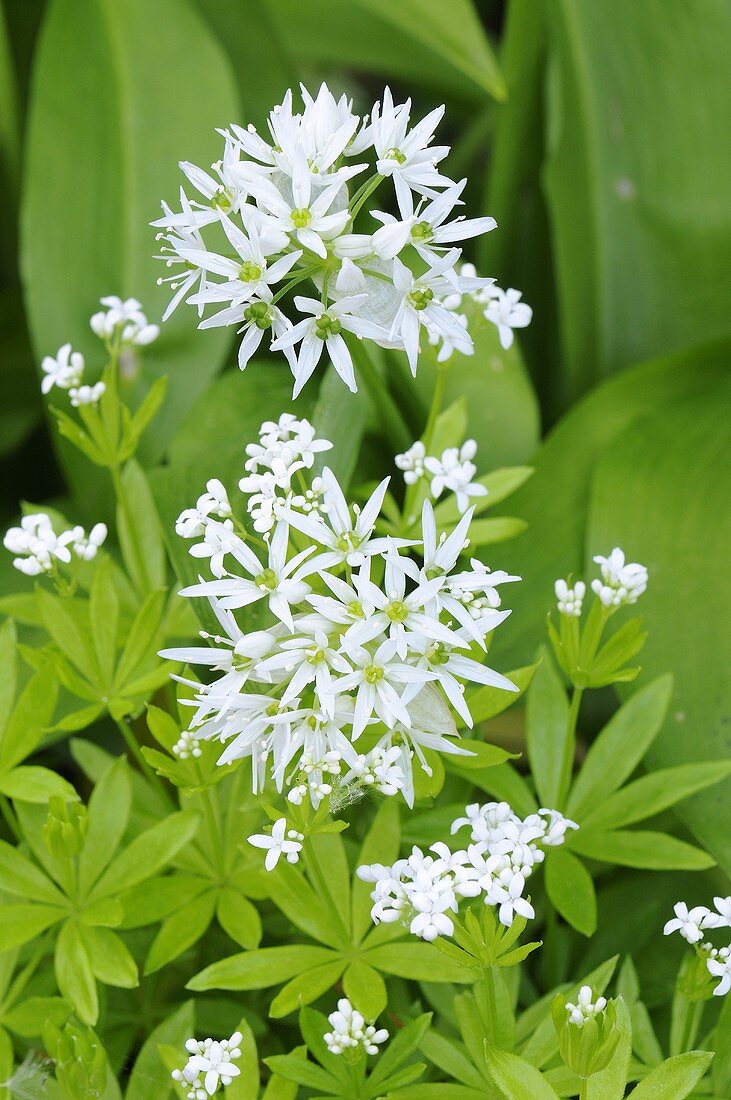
570, 746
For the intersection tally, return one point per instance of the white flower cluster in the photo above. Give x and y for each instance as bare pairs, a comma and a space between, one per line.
65, 370
211, 1063
351, 1032
365, 638
123, 321
39, 548
453, 471
621, 582
691, 924
502, 308
585, 1009
423, 890
570, 599
280, 842
273, 214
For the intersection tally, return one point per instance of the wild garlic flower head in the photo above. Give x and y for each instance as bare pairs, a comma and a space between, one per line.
123, 321
64, 370
424, 891
621, 582
283, 212
39, 549
363, 653
585, 1008
211, 1063
350, 1032
280, 842
570, 599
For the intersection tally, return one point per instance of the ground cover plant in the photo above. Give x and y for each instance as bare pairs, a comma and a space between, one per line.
356, 741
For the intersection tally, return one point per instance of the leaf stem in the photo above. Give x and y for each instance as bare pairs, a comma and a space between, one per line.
388, 411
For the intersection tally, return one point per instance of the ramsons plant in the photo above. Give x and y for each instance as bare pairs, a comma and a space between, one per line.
314, 778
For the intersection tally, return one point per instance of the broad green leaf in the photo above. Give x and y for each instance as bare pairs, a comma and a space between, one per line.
547, 733
654, 793
149, 1079
678, 465
141, 638
21, 877
640, 848
8, 669
620, 746
238, 917
303, 1072
104, 617
674, 1079
333, 875
614, 180
261, 968
502, 782
291, 892
485, 532
307, 987
341, 417
381, 845
29, 1017
147, 853
439, 1092
365, 988
418, 961
571, 889
20, 923
140, 533
74, 975
246, 1085
487, 702
132, 73
35, 784
108, 814
31, 715
180, 931
67, 621
403, 1044
445, 1054
110, 960
517, 1078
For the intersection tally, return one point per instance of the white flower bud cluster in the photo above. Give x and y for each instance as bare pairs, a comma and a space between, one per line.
585, 1009
187, 746
570, 600
691, 924
453, 471
423, 890
621, 582
39, 548
350, 1031
210, 1064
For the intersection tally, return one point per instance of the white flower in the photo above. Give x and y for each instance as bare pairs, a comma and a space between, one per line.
87, 395
722, 917
65, 370
570, 599
37, 546
125, 320
720, 967
323, 330
86, 546
506, 311
210, 1064
424, 226
419, 306
281, 842
622, 582
378, 680
308, 217
350, 1031
455, 471
192, 522
585, 1009
688, 922
412, 462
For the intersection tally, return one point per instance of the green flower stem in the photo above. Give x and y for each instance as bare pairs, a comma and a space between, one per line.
212, 811
364, 194
388, 411
570, 746
133, 745
584, 1088
488, 975
691, 1026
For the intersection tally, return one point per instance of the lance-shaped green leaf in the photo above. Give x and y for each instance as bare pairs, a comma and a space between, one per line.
260, 969
640, 848
146, 854
674, 1079
571, 889
547, 732
653, 793
517, 1078
149, 1070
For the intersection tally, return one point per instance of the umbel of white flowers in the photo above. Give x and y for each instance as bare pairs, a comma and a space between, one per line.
453, 471
363, 655
277, 216
692, 924
350, 1032
425, 890
39, 549
210, 1064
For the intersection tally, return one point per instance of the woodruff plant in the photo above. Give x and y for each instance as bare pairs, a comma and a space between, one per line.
339, 688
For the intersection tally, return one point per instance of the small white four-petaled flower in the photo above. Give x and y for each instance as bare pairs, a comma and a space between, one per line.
281, 842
